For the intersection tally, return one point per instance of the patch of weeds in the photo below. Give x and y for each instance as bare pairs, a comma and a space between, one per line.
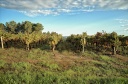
21, 66
49, 64
50, 77
25, 77
69, 73
67, 53
105, 58
39, 54
90, 54
2, 63
99, 64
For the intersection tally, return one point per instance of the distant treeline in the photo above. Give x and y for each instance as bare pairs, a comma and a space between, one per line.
28, 35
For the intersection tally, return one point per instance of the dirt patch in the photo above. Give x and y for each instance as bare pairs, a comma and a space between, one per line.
70, 60
122, 58
10, 59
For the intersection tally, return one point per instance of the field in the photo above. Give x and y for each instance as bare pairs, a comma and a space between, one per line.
18, 66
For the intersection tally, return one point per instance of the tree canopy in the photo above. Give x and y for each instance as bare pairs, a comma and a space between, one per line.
28, 35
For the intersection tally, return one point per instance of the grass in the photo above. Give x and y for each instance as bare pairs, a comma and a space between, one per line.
37, 66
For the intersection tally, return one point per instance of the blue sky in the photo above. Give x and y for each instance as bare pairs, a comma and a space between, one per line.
69, 16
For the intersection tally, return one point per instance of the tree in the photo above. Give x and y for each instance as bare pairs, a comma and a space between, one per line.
27, 31
83, 41
4, 35
74, 42
27, 26
126, 40
19, 28
54, 39
114, 40
31, 33
98, 39
28, 38
11, 26
1, 34
37, 27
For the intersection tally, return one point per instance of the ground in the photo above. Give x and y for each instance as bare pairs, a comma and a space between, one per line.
62, 67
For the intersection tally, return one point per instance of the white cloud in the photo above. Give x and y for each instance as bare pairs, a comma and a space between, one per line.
64, 10
30, 14
33, 13
126, 29
46, 7
123, 23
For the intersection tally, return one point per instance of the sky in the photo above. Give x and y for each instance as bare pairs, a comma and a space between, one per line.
68, 17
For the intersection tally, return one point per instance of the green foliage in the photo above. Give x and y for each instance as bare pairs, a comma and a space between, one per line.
54, 39
11, 26
29, 35
21, 66
37, 27
114, 41
89, 54
74, 42
49, 65
67, 53
2, 63
44, 55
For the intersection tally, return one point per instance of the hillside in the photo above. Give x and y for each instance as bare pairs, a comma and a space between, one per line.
37, 66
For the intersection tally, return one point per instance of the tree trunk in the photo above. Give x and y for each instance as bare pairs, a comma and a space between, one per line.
2, 43
83, 48
114, 50
28, 46
53, 48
